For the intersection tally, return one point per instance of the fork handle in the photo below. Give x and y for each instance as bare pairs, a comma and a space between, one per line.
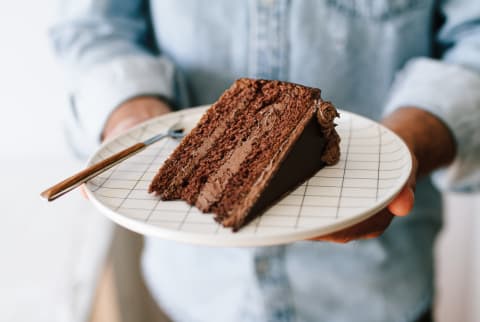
94, 170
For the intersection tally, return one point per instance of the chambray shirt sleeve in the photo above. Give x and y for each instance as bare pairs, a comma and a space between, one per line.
450, 89
107, 57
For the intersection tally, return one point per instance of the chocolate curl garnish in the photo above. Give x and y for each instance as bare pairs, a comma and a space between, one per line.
326, 114
331, 153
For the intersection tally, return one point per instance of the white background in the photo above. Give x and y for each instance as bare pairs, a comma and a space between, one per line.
50, 253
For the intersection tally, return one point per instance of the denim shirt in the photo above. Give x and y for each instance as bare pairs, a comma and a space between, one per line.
367, 56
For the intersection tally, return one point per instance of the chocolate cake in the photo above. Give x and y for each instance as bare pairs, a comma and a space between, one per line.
259, 141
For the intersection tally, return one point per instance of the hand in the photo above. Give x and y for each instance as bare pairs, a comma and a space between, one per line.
129, 114
431, 145
133, 112
375, 226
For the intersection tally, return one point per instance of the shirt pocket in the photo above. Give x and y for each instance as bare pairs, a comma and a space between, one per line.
376, 9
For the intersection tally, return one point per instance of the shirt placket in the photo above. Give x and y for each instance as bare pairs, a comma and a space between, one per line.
268, 41
268, 58
273, 284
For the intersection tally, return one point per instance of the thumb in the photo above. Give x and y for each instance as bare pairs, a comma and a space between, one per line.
83, 191
403, 203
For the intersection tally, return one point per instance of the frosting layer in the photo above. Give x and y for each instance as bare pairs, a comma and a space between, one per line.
256, 143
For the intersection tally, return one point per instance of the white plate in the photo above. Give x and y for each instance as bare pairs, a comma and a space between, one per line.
373, 167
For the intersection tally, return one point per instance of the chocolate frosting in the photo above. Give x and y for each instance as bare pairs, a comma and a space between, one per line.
326, 114
250, 148
215, 185
305, 136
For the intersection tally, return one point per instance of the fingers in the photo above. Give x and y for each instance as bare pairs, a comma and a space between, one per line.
370, 228
133, 112
83, 191
403, 203
130, 114
121, 126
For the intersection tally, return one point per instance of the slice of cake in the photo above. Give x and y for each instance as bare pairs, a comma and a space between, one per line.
259, 141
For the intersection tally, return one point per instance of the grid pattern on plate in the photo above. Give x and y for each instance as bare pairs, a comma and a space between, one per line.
372, 161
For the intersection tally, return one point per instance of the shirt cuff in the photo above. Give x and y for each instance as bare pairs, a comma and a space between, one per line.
103, 88
451, 93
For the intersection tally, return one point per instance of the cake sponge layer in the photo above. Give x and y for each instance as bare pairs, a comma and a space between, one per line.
257, 142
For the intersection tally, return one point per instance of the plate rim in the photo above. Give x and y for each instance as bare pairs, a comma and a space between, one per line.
238, 239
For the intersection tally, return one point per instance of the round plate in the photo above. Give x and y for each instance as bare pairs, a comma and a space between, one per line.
374, 166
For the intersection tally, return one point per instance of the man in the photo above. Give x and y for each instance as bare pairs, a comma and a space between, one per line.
415, 62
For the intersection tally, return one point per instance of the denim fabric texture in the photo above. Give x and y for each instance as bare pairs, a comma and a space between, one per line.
368, 56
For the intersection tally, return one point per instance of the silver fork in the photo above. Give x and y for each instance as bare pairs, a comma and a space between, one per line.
176, 131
